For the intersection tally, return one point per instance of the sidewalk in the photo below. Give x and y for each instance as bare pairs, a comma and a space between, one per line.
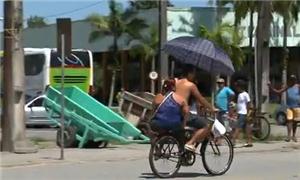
49, 153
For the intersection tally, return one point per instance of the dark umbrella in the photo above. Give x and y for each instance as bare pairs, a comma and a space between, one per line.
201, 53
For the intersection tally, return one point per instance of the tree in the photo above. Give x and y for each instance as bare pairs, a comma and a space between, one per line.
116, 24
142, 4
289, 11
228, 38
36, 22
265, 9
147, 47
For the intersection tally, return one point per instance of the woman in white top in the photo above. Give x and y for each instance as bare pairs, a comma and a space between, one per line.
243, 105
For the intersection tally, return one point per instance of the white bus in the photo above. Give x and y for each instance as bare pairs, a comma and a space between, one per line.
43, 68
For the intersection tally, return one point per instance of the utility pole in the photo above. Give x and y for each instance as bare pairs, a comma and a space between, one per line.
163, 57
13, 126
262, 55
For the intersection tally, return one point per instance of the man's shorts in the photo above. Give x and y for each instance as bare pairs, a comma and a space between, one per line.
158, 126
196, 121
242, 121
293, 114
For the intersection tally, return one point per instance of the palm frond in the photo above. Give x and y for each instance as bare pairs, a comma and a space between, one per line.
228, 38
134, 27
97, 34
128, 14
98, 21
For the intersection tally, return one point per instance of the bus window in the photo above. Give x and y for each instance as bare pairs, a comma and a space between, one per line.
76, 59
34, 64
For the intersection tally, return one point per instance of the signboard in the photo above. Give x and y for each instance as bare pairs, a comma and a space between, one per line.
153, 75
64, 28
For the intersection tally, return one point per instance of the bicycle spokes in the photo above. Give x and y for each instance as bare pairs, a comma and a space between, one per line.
215, 147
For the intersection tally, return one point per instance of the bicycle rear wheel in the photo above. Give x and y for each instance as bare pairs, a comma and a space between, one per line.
261, 128
217, 155
164, 157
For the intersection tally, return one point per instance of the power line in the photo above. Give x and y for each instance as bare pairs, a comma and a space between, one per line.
72, 11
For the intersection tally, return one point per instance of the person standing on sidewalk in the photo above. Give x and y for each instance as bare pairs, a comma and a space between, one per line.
243, 106
223, 97
293, 103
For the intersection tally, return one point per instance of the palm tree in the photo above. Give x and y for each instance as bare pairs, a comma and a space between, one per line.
227, 37
288, 9
148, 47
117, 23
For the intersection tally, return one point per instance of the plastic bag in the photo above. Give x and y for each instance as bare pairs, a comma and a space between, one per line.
218, 128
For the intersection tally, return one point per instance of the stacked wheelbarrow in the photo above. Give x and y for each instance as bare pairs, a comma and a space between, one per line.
88, 123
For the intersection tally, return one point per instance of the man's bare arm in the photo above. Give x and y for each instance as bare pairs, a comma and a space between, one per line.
201, 99
185, 112
278, 91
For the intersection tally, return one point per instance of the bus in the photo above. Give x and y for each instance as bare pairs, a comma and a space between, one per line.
43, 68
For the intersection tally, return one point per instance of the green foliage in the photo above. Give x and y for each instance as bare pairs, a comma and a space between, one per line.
228, 38
148, 44
288, 9
119, 21
36, 22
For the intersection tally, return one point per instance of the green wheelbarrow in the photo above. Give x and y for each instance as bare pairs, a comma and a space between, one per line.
88, 123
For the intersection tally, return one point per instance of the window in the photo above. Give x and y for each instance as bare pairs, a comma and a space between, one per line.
37, 102
76, 59
34, 64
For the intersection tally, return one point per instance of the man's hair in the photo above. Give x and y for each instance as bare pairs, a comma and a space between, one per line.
168, 85
241, 84
187, 68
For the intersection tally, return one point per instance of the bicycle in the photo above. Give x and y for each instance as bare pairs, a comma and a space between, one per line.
168, 147
260, 125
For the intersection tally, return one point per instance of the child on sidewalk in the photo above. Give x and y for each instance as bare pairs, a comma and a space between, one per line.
243, 105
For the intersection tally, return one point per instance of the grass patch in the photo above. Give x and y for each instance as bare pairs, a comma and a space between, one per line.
42, 143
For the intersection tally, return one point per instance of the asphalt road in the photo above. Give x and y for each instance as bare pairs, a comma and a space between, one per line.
283, 164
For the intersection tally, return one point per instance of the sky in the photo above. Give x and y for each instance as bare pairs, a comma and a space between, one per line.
79, 9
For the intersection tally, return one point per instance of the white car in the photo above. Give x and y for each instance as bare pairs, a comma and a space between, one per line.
36, 114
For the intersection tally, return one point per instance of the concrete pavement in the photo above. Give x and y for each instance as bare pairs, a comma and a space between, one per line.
114, 153
49, 153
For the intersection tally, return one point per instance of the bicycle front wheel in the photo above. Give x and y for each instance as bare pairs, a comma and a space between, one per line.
164, 157
261, 128
217, 155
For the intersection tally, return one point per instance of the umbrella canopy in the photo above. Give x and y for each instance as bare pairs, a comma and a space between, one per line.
201, 53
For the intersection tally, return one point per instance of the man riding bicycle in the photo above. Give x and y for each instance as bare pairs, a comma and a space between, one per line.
185, 88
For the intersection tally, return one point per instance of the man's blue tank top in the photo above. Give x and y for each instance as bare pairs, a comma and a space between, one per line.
169, 114
293, 96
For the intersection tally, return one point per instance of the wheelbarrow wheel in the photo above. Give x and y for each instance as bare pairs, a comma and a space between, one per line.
98, 144
69, 137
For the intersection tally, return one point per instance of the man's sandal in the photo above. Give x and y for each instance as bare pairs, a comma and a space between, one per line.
248, 145
190, 147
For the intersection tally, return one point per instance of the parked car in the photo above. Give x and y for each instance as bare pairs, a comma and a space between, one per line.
36, 114
280, 115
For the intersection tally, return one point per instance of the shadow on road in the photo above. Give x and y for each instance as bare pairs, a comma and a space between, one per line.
178, 175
